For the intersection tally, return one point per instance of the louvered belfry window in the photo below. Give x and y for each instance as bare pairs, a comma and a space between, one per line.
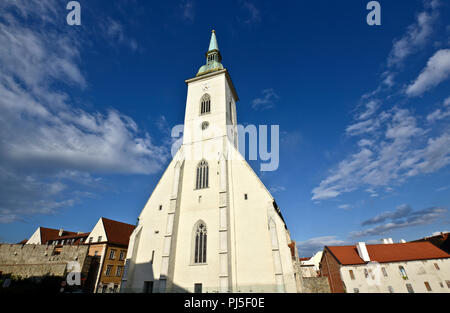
205, 104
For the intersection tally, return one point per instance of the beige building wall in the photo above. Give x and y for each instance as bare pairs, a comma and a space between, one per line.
418, 272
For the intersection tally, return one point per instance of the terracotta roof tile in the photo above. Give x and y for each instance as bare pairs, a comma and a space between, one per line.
384, 253
117, 232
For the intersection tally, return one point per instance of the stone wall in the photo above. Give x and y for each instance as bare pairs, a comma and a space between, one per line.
26, 261
316, 285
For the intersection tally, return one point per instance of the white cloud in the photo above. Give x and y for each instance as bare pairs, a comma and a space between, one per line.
255, 15
43, 137
309, 247
403, 152
436, 71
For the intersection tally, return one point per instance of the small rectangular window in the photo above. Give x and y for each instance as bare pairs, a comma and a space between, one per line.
410, 288
436, 266
448, 283
160, 207
383, 269
198, 288
90, 239
108, 270
99, 239
121, 255
391, 290
366, 273
352, 275
246, 196
148, 287
119, 271
356, 290
112, 254
427, 285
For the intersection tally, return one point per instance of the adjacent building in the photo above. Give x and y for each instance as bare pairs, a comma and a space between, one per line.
414, 267
108, 244
106, 247
210, 224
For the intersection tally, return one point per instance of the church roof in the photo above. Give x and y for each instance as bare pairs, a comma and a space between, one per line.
213, 57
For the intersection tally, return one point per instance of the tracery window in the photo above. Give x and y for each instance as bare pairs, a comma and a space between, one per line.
200, 241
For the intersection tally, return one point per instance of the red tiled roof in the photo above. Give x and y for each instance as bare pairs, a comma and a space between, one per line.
384, 253
304, 259
117, 232
48, 234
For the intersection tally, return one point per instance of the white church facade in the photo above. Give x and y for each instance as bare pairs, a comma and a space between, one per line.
210, 224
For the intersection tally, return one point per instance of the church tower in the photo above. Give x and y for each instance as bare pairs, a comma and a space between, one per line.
210, 224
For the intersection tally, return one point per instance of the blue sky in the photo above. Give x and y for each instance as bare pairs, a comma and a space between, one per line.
364, 111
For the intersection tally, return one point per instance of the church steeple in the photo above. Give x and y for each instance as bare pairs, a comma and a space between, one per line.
213, 57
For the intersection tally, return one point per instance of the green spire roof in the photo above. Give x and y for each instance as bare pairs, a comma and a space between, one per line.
213, 43
213, 57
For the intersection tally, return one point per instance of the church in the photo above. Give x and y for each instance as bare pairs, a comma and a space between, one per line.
210, 224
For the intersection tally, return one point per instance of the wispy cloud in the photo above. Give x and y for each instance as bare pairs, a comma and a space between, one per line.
187, 10
267, 101
255, 14
114, 32
440, 113
416, 36
402, 217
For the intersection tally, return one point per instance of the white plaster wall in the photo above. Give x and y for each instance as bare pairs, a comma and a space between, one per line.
98, 230
35, 239
418, 272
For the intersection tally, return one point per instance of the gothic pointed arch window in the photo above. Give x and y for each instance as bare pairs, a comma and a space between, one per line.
205, 104
202, 181
200, 242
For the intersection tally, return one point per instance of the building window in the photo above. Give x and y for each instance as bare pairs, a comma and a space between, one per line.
96, 253
352, 275
160, 207
441, 284
119, 271
448, 283
231, 111
356, 290
246, 196
91, 239
200, 241
99, 238
148, 287
108, 270
410, 288
391, 290
366, 273
205, 104
427, 285
198, 288
205, 125
202, 175
436, 266
112, 254
383, 269
403, 272
121, 255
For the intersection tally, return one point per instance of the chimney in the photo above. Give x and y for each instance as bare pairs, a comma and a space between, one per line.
362, 251
61, 231
387, 241
402, 241
391, 241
